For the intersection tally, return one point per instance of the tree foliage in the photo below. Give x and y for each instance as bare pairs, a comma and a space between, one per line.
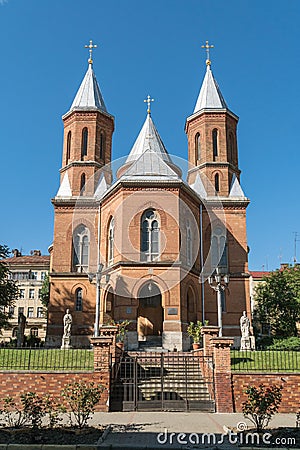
8, 288
45, 292
278, 301
261, 404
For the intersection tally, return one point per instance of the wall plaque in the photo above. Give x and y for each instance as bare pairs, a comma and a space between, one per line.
172, 311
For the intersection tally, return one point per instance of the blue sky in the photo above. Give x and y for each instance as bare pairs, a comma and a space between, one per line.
151, 47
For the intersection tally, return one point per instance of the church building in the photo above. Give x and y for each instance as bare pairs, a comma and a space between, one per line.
148, 239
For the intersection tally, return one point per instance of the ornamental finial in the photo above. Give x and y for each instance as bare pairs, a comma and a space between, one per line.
91, 46
148, 100
207, 48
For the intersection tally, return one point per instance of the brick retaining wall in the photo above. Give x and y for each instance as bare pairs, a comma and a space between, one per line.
15, 383
290, 394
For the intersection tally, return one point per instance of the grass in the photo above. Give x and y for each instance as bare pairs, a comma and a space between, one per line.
46, 359
265, 360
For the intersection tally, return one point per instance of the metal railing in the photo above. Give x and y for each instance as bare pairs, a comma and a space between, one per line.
265, 360
46, 359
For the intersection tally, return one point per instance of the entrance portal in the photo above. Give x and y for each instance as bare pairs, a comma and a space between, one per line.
150, 313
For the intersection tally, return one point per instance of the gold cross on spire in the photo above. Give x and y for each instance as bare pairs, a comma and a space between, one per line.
207, 48
91, 46
149, 100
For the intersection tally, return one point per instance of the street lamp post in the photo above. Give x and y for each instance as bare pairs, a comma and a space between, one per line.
219, 283
97, 276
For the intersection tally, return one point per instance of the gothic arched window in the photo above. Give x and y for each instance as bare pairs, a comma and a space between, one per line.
68, 146
84, 142
82, 184
198, 146
102, 145
189, 249
217, 182
78, 299
81, 249
219, 249
230, 145
149, 235
215, 142
111, 238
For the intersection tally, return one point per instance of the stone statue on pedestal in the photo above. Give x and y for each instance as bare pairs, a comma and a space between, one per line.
66, 339
247, 341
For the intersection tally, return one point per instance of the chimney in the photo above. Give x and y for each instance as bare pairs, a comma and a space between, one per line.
16, 253
37, 253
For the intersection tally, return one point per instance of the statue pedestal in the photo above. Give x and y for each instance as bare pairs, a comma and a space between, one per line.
247, 343
66, 343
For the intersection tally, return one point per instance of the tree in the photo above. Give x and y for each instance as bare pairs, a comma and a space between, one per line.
45, 292
278, 302
8, 288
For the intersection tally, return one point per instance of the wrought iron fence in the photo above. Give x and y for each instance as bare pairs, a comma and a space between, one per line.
265, 360
46, 359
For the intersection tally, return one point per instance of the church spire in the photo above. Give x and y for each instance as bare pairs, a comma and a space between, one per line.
88, 96
210, 96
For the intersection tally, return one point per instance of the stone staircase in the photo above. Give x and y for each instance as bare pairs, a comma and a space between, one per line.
170, 381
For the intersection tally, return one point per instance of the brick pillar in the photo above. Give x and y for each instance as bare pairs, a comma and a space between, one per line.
222, 373
104, 352
208, 332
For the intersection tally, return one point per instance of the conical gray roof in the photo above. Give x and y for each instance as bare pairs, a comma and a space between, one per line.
210, 95
148, 138
89, 95
150, 165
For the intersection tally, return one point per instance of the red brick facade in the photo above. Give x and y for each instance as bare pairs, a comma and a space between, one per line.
290, 394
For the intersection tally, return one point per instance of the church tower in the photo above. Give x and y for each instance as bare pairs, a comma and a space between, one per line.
88, 130
215, 175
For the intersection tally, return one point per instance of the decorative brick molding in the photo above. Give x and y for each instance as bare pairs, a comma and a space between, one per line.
290, 394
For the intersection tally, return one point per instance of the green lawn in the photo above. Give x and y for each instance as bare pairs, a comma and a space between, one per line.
265, 360
46, 359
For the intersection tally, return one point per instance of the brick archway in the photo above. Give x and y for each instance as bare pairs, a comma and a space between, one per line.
150, 312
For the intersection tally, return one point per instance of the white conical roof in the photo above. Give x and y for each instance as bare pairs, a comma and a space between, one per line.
198, 187
89, 95
150, 165
65, 188
101, 188
210, 96
148, 138
235, 190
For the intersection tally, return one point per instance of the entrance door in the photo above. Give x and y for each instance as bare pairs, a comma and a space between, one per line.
150, 312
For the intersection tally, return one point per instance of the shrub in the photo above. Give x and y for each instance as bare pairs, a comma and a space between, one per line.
32, 410
262, 403
12, 415
291, 343
82, 399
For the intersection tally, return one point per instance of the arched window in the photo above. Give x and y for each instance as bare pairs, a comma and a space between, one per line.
217, 182
81, 247
34, 331
219, 249
149, 236
68, 146
230, 147
84, 142
188, 243
111, 238
102, 145
215, 142
82, 184
198, 146
191, 310
78, 299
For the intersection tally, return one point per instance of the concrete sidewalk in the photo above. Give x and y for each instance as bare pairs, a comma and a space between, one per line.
140, 430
